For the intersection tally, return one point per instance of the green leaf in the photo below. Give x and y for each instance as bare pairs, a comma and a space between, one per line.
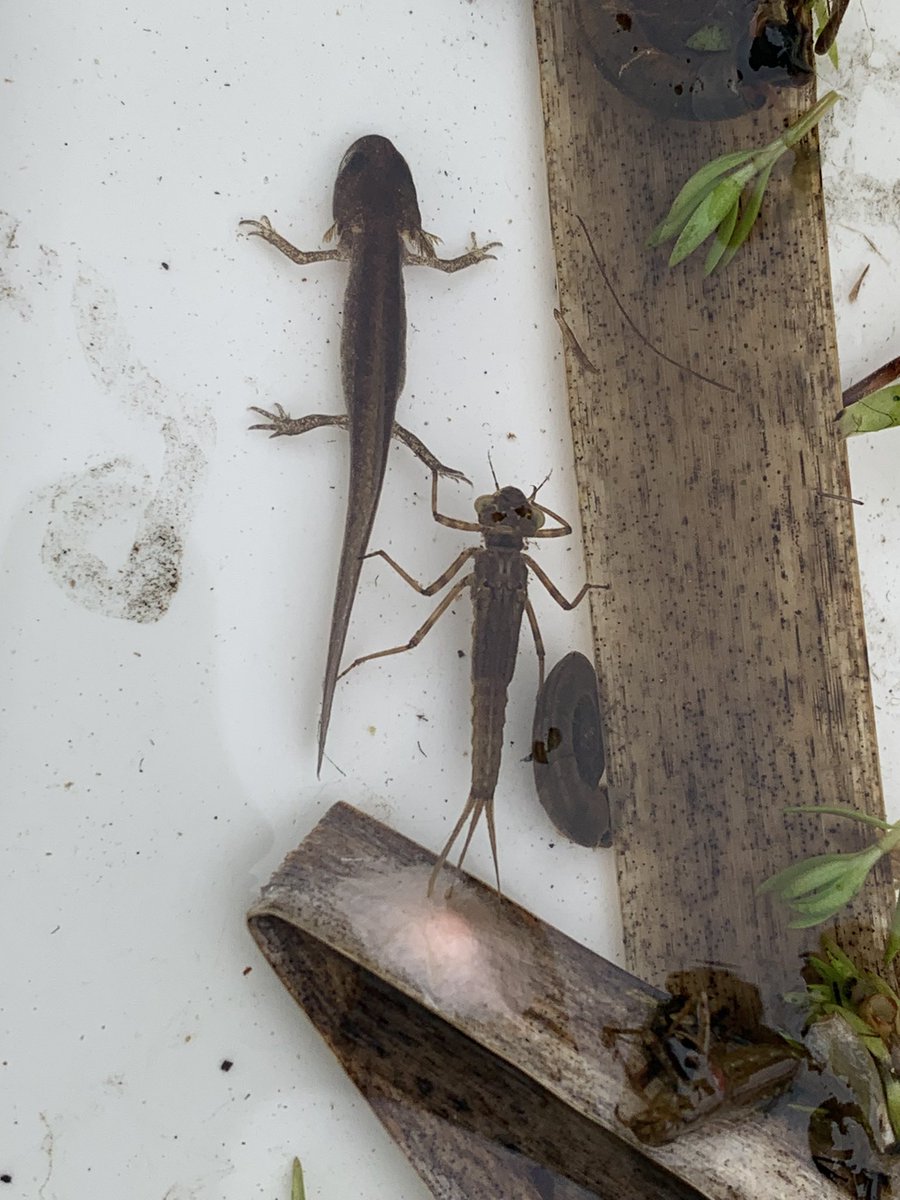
893, 942
696, 189
823, 969
709, 213
829, 899
749, 213
721, 240
880, 410
805, 876
841, 963
801, 999
298, 1191
892, 1097
817, 888
709, 38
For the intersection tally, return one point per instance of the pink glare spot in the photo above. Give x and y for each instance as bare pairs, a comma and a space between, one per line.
457, 952
449, 939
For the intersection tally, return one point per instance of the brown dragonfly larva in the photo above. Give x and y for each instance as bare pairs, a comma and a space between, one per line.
498, 585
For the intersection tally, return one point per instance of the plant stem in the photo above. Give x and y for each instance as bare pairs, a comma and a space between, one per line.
795, 133
883, 377
833, 810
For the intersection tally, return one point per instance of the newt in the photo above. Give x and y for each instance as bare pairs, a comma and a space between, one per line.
378, 230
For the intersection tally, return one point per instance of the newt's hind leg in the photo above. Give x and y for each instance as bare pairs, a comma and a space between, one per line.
281, 424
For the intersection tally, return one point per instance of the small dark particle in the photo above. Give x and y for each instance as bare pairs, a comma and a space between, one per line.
226, 1064
165, 266
460, 654
5, 1178
246, 970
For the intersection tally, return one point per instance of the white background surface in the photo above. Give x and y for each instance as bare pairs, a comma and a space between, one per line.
155, 774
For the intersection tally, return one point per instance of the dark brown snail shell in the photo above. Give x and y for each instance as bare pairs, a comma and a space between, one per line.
568, 755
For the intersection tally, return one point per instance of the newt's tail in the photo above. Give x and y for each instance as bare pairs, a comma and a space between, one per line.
357, 530
475, 805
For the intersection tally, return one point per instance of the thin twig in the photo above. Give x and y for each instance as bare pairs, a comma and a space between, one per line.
844, 499
854, 291
573, 343
656, 350
872, 383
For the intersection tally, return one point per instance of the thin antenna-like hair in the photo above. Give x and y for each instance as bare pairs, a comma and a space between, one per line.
537, 487
493, 472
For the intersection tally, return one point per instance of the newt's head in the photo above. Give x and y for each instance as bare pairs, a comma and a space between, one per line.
509, 511
374, 184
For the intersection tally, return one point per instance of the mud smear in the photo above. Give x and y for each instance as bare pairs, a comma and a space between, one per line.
868, 64
84, 506
21, 268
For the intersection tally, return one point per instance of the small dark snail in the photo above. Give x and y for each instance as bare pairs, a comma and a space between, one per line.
568, 757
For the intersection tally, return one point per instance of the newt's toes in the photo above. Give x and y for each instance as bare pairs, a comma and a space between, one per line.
260, 228
448, 473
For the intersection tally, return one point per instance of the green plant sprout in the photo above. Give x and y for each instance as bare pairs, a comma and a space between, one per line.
878, 410
869, 1005
724, 197
817, 888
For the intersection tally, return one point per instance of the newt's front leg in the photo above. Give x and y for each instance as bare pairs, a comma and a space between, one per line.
281, 424
263, 229
426, 256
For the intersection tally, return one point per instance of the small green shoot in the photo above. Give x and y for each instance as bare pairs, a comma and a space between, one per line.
868, 1004
879, 410
298, 1191
724, 197
816, 889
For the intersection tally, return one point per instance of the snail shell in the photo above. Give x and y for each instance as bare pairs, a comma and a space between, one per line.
568, 755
